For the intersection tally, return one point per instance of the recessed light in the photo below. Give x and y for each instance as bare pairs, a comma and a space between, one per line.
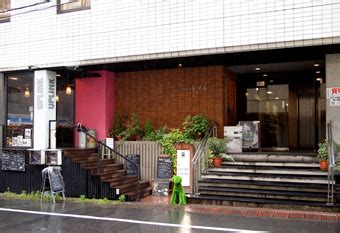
271, 81
265, 75
246, 93
58, 75
277, 98
257, 68
319, 80
179, 65
257, 88
269, 92
316, 64
317, 72
13, 78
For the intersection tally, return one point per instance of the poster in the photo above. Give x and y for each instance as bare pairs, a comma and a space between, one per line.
250, 135
183, 166
233, 138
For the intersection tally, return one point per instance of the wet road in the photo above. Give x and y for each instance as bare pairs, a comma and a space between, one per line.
28, 216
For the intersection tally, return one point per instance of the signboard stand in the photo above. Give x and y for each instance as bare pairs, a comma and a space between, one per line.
161, 185
56, 181
184, 166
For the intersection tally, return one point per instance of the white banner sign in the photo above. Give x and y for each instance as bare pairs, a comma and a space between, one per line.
183, 166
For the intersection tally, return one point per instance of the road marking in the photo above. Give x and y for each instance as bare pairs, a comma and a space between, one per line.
127, 220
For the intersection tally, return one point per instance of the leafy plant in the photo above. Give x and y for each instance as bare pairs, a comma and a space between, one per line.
133, 129
118, 126
121, 198
155, 135
323, 150
195, 127
217, 149
168, 142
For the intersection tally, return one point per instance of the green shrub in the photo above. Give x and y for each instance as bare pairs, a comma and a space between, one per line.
195, 127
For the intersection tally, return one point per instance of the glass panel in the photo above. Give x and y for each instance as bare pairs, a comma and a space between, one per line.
19, 110
65, 112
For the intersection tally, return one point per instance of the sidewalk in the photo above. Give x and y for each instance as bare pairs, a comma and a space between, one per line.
164, 203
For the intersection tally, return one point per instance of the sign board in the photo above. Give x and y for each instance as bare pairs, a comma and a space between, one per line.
334, 101
109, 142
233, 137
333, 92
250, 135
183, 166
55, 180
36, 157
160, 187
13, 160
53, 157
164, 167
131, 169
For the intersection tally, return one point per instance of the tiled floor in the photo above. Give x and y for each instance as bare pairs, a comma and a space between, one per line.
164, 203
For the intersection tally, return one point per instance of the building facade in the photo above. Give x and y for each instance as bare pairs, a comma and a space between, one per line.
263, 60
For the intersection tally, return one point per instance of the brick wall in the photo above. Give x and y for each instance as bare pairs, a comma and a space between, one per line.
167, 96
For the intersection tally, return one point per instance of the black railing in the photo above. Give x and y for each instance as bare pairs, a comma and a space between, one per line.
81, 128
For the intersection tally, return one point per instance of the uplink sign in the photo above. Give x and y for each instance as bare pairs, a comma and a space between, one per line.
44, 106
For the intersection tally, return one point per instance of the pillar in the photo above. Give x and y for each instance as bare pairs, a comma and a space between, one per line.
2, 107
95, 102
44, 106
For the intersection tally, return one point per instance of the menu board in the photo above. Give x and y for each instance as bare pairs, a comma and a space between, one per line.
13, 160
56, 180
160, 187
164, 167
131, 169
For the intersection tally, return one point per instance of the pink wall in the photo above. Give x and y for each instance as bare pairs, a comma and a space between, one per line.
95, 103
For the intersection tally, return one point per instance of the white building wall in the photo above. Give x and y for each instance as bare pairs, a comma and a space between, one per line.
119, 30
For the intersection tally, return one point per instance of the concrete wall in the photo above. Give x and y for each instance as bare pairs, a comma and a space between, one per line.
333, 80
122, 30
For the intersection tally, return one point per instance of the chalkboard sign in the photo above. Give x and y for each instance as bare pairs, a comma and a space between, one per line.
164, 167
131, 169
56, 180
160, 187
13, 160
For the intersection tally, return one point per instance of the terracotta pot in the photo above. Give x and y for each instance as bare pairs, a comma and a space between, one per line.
324, 165
217, 162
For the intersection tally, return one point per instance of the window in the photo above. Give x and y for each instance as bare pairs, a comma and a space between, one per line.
19, 110
65, 6
4, 13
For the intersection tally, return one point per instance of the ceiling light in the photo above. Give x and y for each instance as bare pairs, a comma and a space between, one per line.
13, 78
257, 88
257, 68
56, 98
246, 93
277, 98
317, 72
68, 90
179, 65
269, 92
58, 75
27, 93
319, 80
316, 64
265, 75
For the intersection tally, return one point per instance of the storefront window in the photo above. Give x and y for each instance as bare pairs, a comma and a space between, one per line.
65, 6
19, 110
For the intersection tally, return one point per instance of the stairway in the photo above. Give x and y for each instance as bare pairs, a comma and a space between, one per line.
109, 172
265, 179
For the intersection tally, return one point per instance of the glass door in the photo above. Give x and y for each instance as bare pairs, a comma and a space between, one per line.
270, 104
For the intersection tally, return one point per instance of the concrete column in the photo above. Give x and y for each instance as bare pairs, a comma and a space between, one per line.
45, 87
333, 80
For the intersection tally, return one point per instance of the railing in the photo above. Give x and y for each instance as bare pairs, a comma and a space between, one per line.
331, 165
200, 159
81, 128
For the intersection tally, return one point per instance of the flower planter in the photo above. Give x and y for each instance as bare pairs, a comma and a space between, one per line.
323, 165
217, 162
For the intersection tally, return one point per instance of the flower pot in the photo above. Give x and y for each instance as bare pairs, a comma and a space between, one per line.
217, 162
323, 165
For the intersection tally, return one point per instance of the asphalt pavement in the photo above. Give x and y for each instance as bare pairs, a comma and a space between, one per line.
33, 216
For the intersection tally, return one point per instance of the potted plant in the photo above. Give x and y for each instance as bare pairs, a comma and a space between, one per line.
133, 129
118, 127
323, 155
217, 151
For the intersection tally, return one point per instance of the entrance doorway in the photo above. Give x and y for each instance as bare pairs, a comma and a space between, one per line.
285, 100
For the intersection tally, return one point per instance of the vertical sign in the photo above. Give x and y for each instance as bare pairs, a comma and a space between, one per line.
44, 106
183, 166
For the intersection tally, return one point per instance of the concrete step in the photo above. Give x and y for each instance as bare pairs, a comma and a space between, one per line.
251, 170
227, 184
273, 164
131, 187
264, 194
122, 180
259, 157
267, 178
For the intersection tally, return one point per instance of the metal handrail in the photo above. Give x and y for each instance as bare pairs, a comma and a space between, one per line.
201, 155
331, 165
81, 128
